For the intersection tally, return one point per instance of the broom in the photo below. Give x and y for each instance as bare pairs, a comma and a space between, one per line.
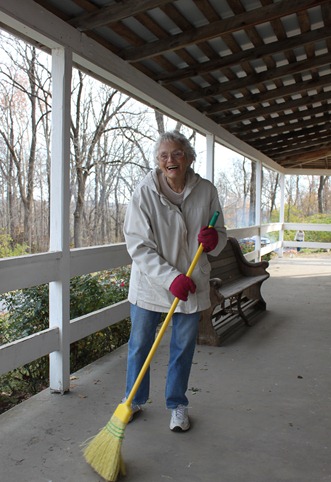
104, 451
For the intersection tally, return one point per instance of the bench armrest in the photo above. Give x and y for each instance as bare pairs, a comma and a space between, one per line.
246, 267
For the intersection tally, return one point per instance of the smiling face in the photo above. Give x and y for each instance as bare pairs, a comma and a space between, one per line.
173, 162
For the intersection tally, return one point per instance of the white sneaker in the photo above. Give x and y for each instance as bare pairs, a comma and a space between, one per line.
179, 419
135, 409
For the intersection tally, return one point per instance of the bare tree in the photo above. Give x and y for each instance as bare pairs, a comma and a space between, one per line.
22, 116
269, 193
159, 121
322, 182
289, 186
233, 185
90, 122
110, 131
246, 188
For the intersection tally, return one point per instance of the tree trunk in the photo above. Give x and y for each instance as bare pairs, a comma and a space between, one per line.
78, 213
159, 121
273, 196
320, 194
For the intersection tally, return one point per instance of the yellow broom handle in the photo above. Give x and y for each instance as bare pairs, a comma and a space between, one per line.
165, 324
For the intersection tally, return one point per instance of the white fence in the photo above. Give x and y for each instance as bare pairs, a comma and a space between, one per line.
276, 231
27, 271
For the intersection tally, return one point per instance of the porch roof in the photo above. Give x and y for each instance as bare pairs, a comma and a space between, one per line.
259, 69
260, 403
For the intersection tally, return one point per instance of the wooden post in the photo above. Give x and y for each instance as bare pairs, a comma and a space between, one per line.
258, 193
210, 155
282, 214
59, 290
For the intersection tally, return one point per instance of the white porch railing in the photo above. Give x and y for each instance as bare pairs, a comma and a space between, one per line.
27, 271
33, 270
278, 245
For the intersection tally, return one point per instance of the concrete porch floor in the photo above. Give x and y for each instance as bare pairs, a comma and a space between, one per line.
260, 404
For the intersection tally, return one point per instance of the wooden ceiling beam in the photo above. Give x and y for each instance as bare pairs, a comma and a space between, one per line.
278, 145
230, 118
256, 132
294, 138
113, 13
255, 129
273, 94
245, 55
257, 79
298, 148
305, 156
219, 28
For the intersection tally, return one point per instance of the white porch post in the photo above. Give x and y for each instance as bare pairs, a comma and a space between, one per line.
282, 213
59, 291
258, 194
210, 155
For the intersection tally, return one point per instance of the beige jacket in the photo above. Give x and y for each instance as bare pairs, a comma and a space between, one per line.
162, 241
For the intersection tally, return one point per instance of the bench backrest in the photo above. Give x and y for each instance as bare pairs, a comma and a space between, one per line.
225, 265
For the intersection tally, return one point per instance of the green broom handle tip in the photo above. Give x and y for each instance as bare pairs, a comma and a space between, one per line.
213, 219
200, 249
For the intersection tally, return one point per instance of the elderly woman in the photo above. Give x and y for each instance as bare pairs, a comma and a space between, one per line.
166, 219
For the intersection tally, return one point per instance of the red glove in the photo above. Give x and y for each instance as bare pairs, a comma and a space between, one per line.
181, 286
208, 237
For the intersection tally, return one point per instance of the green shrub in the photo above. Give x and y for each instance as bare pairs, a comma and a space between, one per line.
8, 248
27, 313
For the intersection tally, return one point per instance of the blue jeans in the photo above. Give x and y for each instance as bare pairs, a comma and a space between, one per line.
183, 339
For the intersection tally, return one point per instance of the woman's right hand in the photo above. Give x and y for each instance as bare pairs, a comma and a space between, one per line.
181, 286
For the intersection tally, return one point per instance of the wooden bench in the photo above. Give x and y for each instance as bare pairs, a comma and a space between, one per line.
235, 294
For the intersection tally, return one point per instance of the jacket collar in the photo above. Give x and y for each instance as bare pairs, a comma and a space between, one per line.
192, 179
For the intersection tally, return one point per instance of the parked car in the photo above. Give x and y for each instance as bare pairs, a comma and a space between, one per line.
250, 241
264, 240
246, 241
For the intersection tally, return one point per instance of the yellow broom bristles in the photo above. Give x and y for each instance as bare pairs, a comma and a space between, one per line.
104, 451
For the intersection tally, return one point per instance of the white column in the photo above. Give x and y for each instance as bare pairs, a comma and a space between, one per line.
59, 291
282, 213
258, 194
210, 156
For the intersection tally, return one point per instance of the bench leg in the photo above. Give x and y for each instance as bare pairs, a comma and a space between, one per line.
254, 293
255, 299
240, 311
207, 334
